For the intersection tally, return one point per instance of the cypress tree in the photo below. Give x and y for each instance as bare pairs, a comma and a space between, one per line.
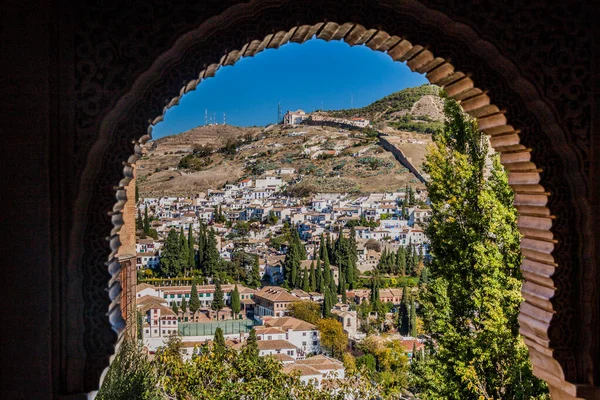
375, 289
201, 246
343, 288
291, 265
424, 276
403, 314
170, 259
328, 247
184, 256
236, 306
401, 261
146, 221
183, 305
332, 287
218, 298
219, 342
305, 283
194, 299
212, 259
139, 222
191, 249
413, 319
253, 280
326, 305
175, 308
313, 279
350, 269
251, 347
319, 277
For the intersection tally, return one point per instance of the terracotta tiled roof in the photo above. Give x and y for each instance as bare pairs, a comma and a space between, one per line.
275, 345
292, 323
304, 370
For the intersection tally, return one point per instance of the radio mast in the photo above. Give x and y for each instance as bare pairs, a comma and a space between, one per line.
279, 112
205, 116
224, 119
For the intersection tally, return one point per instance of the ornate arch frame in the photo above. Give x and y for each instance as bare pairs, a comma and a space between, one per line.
544, 150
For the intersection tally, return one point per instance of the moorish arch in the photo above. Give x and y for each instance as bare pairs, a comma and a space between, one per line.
121, 66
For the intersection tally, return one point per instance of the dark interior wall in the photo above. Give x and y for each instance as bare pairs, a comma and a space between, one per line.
25, 96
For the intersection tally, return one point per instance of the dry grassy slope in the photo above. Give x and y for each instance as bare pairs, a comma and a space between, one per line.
158, 173
274, 150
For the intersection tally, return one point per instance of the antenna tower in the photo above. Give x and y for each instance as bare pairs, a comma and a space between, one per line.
205, 116
214, 118
224, 119
279, 112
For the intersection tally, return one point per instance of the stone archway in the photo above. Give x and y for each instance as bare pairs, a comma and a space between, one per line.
547, 198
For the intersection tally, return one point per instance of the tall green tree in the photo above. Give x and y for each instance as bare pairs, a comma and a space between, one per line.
403, 313
194, 299
219, 341
413, 319
211, 259
327, 304
319, 277
236, 306
218, 301
146, 224
191, 248
202, 238
184, 305
251, 347
291, 264
184, 252
401, 261
305, 281
312, 281
472, 301
170, 256
139, 221
253, 279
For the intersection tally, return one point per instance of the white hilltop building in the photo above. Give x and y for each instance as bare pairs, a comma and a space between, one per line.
294, 117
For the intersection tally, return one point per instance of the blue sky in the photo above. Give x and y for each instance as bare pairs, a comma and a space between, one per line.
306, 76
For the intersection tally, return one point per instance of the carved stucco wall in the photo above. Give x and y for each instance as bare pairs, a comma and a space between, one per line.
130, 61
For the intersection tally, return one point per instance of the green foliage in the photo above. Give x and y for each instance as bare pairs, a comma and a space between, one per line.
184, 305
236, 306
130, 376
306, 310
368, 361
387, 361
221, 373
194, 299
411, 125
170, 257
218, 301
374, 163
472, 300
194, 162
219, 342
333, 337
402, 100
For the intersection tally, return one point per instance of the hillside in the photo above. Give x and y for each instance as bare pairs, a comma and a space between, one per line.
417, 109
324, 158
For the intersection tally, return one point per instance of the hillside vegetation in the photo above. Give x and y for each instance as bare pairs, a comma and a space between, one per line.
325, 159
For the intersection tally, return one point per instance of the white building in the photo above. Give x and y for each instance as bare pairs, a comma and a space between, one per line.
272, 347
294, 117
300, 333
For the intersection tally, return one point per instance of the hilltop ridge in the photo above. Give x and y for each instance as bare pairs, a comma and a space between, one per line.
324, 158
